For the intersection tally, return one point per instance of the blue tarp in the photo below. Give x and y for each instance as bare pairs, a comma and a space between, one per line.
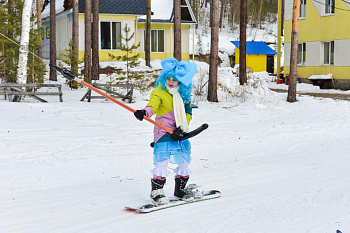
256, 47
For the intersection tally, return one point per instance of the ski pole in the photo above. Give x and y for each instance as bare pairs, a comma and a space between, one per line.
70, 76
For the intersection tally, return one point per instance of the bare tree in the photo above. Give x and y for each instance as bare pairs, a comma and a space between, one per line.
177, 29
53, 73
95, 70
148, 35
242, 42
214, 50
87, 56
292, 89
75, 36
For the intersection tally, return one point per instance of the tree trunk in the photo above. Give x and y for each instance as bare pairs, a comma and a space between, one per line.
87, 56
148, 35
95, 70
292, 89
39, 23
10, 13
197, 13
75, 36
38, 12
24, 43
214, 50
242, 42
260, 12
177, 29
24, 47
222, 12
282, 14
53, 73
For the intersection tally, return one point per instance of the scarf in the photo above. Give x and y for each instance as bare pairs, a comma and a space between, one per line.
179, 108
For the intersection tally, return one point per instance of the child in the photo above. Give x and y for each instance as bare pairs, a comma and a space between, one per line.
171, 101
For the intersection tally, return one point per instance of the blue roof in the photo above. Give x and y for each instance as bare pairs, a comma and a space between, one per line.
256, 47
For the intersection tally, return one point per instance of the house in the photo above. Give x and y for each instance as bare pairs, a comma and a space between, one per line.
259, 56
114, 16
162, 28
323, 41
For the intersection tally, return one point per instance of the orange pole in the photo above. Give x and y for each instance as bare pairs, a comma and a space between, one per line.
124, 105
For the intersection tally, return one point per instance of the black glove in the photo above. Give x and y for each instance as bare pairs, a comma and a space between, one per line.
178, 134
139, 114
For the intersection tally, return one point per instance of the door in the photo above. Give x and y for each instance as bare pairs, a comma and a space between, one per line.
270, 64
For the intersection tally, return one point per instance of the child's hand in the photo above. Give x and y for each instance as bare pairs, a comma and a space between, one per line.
139, 114
178, 134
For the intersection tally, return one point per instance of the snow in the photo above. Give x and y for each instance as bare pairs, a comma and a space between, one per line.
162, 9
326, 76
72, 166
59, 7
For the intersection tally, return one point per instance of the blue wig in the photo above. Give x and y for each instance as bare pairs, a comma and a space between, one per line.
184, 91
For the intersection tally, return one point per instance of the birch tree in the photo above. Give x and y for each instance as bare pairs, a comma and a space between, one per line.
24, 43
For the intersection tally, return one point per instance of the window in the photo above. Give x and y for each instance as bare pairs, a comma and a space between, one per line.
329, 7
328, 53
301, 53
110, 35
157, 41
47, 33
302, 8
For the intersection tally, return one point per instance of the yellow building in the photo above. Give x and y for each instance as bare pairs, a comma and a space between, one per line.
114, 16
259, 56
323, 42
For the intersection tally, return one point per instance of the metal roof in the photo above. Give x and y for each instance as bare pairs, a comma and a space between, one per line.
130, 7
256, 47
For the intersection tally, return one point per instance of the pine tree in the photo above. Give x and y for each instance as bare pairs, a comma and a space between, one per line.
68, 57
131, 56
10, 26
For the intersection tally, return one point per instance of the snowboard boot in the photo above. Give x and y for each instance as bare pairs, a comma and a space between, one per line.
157, 194
180, 192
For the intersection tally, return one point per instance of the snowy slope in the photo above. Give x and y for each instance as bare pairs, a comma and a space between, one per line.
73, 166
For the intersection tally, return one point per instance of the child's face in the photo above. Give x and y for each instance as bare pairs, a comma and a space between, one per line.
171, 82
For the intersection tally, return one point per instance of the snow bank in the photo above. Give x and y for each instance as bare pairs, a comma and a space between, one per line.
324, 76
229, 89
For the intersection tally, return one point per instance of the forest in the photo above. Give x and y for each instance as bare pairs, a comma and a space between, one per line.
11, 18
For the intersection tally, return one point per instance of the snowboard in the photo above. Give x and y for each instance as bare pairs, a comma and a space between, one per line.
148, 208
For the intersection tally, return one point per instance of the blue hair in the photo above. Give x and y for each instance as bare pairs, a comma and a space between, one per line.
184, 91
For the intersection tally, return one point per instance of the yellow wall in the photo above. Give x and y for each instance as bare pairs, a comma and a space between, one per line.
162, 26
161, 56
111, 17
338, 72
104, 54
168, 44
320, 28
256, 62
